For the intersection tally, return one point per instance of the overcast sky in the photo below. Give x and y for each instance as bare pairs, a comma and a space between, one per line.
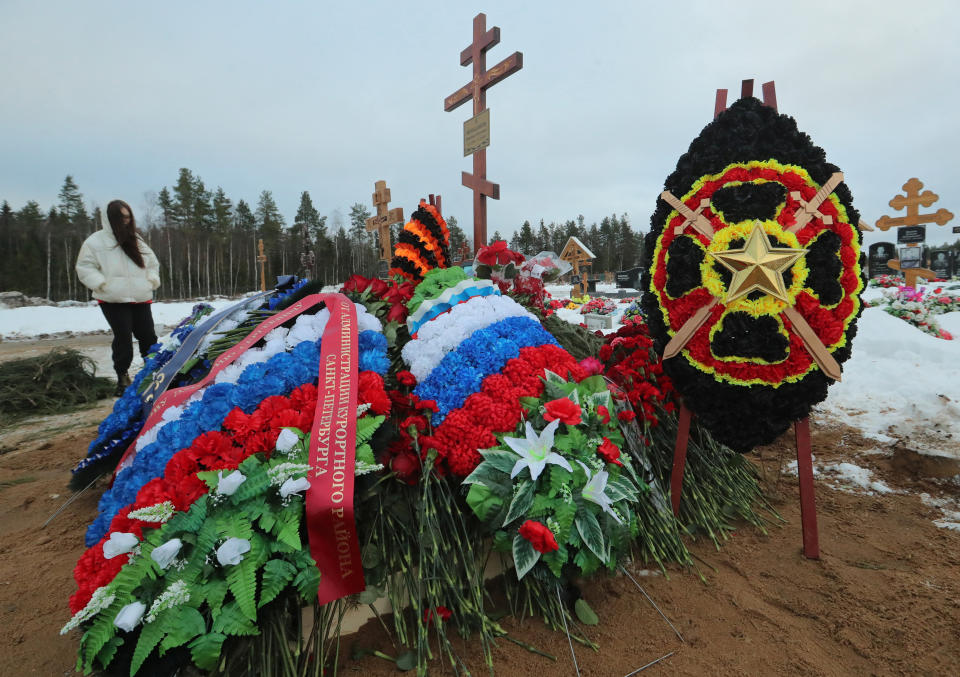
329, 97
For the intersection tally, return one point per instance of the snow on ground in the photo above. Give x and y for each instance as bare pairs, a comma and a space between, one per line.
34, 321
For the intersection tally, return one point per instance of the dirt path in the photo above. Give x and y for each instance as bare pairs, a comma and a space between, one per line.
883, 600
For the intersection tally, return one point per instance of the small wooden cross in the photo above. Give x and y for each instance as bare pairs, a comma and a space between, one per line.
476, 90
913, 200
384, 218
262, 259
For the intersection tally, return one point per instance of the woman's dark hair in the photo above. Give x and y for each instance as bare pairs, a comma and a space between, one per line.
126, 233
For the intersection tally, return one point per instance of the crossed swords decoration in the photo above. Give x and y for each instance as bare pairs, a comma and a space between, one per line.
757, 266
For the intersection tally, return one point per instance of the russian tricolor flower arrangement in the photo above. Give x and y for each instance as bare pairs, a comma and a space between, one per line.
472, 423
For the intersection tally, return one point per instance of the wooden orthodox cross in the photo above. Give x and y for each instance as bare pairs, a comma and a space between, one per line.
476, 89
577, 254
384, 218
262, 259
913, 200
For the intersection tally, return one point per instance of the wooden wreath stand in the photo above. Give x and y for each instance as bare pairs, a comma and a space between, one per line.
808, 507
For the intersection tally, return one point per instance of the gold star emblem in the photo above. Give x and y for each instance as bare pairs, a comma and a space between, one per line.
757, 265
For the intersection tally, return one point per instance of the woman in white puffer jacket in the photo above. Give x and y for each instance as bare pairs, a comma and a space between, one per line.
121, 271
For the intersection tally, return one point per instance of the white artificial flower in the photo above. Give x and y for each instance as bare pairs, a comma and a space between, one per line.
287, 440
595, 491
130, 616
158, 513
163, 555
102, 598
229, 484
232, 551
535, 451
366, 321
178, 593
294, 486
119, 543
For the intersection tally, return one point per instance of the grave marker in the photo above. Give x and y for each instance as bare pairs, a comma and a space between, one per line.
577, 254
384, 219
476, 90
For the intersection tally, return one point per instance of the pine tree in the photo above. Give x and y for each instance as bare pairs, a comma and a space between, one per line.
364, 254
71, 203
525, 239
457, 237
270, 223
183, 198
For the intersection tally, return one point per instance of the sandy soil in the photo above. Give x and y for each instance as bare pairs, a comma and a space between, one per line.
884, 599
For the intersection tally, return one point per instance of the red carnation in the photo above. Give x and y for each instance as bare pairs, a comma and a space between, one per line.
564, 409
428, 404
540, 537
609, 452
406, 378
443, 612
406, 466
626, 415
604, 414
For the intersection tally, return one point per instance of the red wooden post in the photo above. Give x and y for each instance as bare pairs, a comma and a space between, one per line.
746, 88
679, 458
476, 90
808, 506
720, 104
770, 95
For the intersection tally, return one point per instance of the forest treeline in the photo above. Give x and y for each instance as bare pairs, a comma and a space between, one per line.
207, 243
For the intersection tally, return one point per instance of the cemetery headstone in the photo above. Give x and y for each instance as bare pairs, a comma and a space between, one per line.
941, 263
629, 279
879, 254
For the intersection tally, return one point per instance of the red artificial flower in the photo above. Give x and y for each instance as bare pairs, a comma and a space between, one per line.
370, 390
591, 365
539, 535
609, 452
498, 254
417, 422
626, 415
378, 287
441, 611
564, 409
429, 404
406, 378
604, 414
406, 466
357, 283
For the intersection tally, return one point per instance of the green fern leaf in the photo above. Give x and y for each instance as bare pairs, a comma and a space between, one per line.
307, 582
205, 650
94, 639
565, 513
276, 574
150, 636
232, 621
242, 581
184, 624
366, 427
108, 651
213, 592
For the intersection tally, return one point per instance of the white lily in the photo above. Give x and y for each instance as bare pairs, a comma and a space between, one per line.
595, 491
535, 451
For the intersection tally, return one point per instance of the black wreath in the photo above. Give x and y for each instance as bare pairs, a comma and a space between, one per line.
740, 416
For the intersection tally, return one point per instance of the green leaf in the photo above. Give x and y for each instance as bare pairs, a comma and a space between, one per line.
501, 460
564, 513
288, 529
150, 636
602, 399
522, 500
242, 581
184, 624
621, 489
276, 574
371, 594
524, 556
214, 591
232, 621
407, 661
482, 501
553, 377
482, 271
101, 632
589, 529
584, 612
555, 560
593, 384
501, 541
486, 473
108, 651
366, 427
308, 582
205, 650
558, 478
